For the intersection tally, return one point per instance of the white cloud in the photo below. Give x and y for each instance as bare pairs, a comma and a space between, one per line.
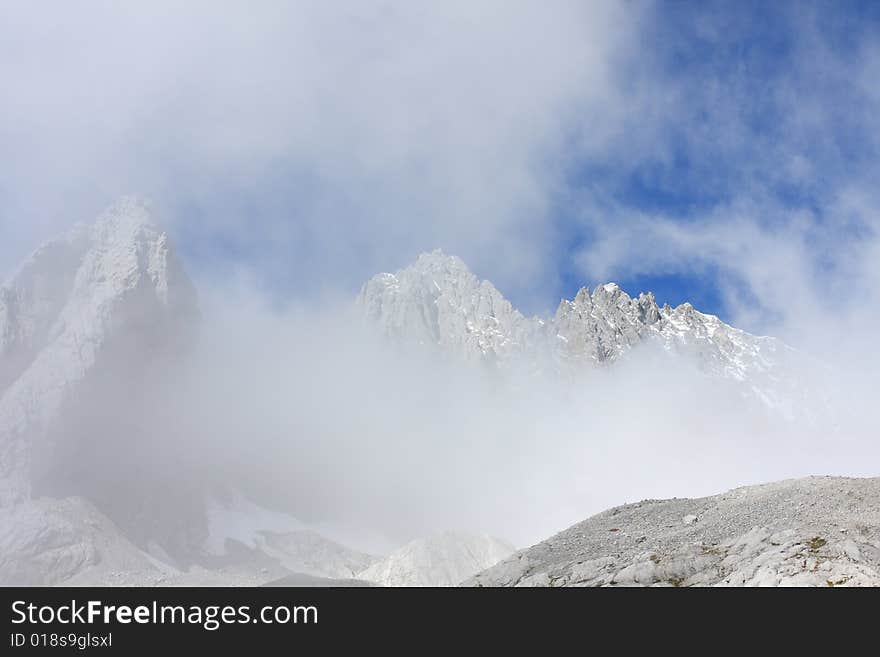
364, 131
782, 167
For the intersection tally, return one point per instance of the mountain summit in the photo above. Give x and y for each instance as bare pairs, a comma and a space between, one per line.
99, 306
437, 300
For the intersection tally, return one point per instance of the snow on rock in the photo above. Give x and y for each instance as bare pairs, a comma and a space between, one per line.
308, 553
278, 536
90, 328
443, 560
69, 542
437, 301
239, 519
116, 278
818, 531
45, 542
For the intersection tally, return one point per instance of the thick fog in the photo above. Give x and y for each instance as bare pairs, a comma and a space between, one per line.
374, 444
325, 141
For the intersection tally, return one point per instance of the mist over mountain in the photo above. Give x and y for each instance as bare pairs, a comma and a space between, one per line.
90, 326
219, 439
414, 275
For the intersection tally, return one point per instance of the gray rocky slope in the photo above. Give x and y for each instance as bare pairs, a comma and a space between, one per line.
818, 531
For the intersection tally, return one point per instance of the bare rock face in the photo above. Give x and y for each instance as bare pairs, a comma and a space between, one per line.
818, 531
600, 327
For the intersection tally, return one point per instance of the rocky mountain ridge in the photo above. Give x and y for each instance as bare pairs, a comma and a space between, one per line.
437, 302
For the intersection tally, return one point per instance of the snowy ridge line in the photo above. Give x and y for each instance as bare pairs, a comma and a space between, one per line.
438, 302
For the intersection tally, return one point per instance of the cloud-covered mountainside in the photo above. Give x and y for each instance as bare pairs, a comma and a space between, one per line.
110, 466
87, 311
90, 328
819, 531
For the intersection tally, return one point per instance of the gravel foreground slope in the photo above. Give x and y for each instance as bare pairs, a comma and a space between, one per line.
817, 531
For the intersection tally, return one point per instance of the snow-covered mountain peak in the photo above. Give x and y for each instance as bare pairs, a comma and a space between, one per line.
130, 249
438, 261
116, 282
441, 274
439, 302
609, 289
122, 227
127, 213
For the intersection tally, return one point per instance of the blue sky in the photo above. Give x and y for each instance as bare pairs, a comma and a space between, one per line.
768, 85
723, 153
732, 60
